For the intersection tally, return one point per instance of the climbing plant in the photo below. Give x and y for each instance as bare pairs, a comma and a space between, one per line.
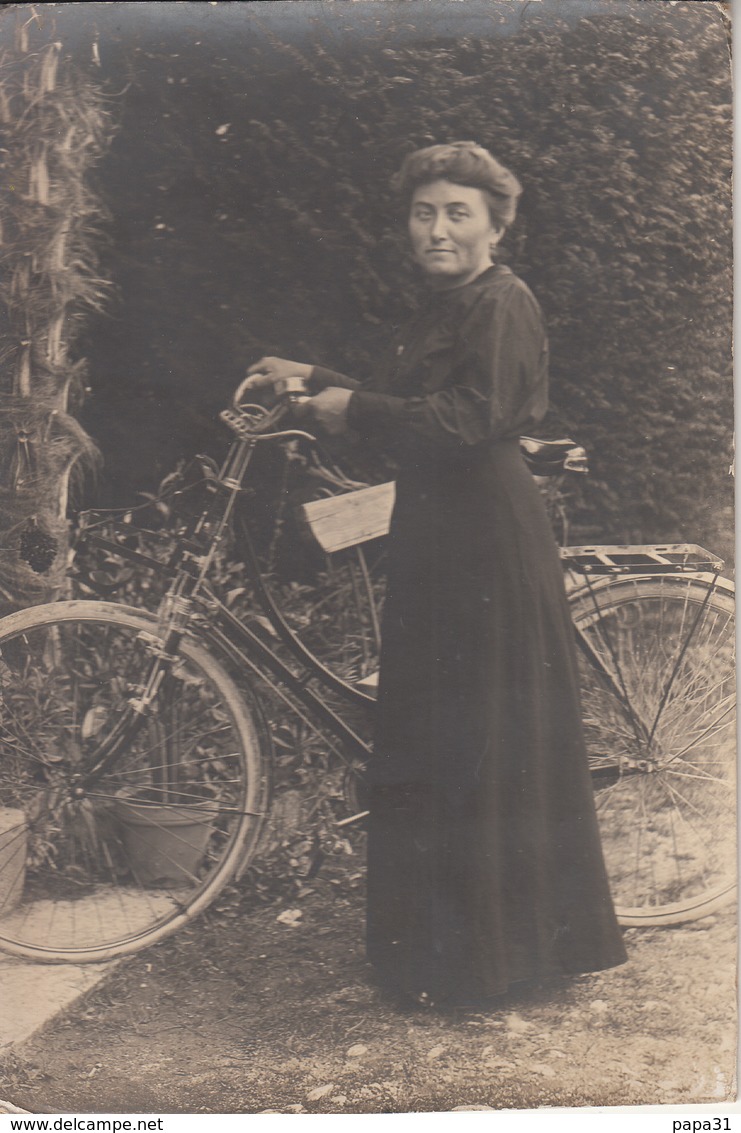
55, 126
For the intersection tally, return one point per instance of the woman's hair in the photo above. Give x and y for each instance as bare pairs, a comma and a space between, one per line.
463, 163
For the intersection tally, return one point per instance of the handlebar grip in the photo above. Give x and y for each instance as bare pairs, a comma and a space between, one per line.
294, 388
249, 420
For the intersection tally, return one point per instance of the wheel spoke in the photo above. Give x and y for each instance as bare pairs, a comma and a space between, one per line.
104, 871
712, 730
675, 643
688, 775
677, 795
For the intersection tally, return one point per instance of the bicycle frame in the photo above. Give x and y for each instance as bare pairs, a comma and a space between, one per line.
128, 703
191, 604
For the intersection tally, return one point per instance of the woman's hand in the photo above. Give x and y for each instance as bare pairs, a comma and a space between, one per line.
269, 372
328, 409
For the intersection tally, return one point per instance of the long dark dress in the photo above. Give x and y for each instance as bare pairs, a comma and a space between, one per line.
484, 860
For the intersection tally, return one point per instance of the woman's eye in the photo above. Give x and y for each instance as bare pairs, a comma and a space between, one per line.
458, 214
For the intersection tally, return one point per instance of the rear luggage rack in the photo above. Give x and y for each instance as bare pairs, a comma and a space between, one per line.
658, 558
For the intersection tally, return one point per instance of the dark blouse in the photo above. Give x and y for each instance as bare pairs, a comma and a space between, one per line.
470, 368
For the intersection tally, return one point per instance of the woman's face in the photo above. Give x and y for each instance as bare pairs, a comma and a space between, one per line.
452, 232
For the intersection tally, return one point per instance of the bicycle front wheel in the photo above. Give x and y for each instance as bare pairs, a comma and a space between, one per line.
97, 864
658, 702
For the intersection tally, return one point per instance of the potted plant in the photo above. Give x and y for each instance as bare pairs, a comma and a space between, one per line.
164, 839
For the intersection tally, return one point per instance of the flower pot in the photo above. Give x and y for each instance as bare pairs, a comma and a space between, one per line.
164, 845
13, 849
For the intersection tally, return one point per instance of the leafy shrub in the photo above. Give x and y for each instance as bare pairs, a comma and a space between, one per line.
263, 222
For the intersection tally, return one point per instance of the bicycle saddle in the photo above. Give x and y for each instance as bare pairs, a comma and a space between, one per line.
549, 458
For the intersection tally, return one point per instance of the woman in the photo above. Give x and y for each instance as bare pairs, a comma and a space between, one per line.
484, 861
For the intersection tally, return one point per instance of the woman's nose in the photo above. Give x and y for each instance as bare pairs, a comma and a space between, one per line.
438, 230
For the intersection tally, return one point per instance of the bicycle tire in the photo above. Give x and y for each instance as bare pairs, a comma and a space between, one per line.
660, 730
89, 874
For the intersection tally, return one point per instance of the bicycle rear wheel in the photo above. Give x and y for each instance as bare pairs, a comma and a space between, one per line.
93, 867
658, 702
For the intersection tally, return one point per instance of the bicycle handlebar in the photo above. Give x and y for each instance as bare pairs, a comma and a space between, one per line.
293, 388
254, 422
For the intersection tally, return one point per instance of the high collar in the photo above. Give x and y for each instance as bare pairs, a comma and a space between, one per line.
467, 293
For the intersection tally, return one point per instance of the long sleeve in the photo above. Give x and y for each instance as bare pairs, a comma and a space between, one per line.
493, 380
321, 378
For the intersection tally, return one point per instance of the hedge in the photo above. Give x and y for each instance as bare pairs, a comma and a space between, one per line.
250, 182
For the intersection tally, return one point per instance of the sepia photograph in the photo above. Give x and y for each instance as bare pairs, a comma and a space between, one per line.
367, 638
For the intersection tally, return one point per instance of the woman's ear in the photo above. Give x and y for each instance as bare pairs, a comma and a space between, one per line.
498, 231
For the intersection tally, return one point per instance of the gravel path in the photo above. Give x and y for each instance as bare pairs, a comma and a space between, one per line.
274, 1008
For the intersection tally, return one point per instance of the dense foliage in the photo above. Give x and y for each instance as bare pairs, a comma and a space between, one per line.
54, 128
250, 186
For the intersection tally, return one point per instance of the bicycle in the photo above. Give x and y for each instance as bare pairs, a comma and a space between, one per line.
135, 773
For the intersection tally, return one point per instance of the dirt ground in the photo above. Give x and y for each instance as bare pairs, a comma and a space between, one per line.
272, 1007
